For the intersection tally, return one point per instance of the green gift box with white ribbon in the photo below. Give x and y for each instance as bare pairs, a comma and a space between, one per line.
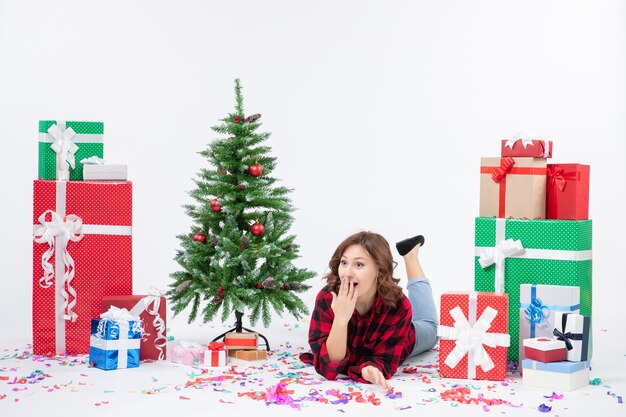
63, 144
511, 252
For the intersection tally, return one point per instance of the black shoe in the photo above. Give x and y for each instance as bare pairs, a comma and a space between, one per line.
405, 246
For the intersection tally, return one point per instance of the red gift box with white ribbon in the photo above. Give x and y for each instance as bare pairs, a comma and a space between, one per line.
151, 310
82, 252
527, 146
473, 331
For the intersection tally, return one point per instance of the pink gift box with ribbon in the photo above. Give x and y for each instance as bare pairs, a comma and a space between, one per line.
473, 331
186, 352
82, 252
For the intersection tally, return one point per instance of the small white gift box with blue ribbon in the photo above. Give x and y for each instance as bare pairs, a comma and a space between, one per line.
115, 339
539, 304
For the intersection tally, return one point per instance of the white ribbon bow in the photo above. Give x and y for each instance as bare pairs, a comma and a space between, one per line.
497, 255
116, 313
92, 160
59, 231
64, 147
526, 140
472, 339
154, 300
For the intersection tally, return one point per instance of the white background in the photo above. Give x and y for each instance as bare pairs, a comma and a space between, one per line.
379, 113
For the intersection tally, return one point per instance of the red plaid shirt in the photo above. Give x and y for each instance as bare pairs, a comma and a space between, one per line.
384, 338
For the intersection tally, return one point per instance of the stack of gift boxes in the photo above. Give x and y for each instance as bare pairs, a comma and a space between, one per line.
532, 271
239, 345
82, 253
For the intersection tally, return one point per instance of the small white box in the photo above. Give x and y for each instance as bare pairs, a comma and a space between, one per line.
576, 329
214, 358
114, 172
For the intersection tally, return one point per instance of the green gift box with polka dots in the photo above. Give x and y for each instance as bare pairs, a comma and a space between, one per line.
89, 139
555, 252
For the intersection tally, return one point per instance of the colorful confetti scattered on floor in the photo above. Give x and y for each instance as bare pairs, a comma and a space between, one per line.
280, 382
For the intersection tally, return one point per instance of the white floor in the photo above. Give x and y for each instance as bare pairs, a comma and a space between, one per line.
67, 387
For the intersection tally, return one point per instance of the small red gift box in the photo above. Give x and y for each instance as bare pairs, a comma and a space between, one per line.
544, 349
473, 330
241, 340
567, 195
82, 252
533, 148
151, 310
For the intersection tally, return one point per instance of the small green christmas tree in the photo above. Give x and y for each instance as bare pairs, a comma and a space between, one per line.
239, 254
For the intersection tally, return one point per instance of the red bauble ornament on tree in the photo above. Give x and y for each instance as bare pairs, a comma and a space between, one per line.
241, 187
215, 205
259, 285
255, 170
199, 237
257, 229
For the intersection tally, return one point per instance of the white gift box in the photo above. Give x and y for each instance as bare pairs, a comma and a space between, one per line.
114, 172
575, 329
215, 358
555, 376
538, 306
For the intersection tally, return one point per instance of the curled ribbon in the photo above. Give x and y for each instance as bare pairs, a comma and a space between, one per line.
536, 312
59, 231
63, 146
496, 255
472, 339
505, 166
151, 305
216, 346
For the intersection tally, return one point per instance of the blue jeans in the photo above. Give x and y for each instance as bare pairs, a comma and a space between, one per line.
425, 318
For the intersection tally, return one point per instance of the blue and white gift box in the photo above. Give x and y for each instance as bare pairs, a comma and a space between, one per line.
575, 331
563, 375
115, 339
539, 304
